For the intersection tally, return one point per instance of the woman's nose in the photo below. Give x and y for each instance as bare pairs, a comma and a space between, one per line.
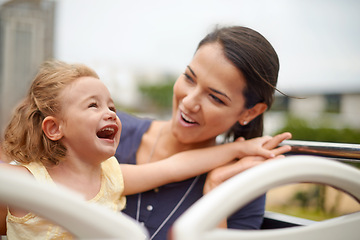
192, 101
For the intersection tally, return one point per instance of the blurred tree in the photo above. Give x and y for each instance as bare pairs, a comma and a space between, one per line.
159, 96
301, 130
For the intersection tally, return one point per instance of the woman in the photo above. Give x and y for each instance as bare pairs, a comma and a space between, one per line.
225, 89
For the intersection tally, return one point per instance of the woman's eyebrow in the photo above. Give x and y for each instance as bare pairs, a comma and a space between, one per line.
218, 92
214, 90
192, 72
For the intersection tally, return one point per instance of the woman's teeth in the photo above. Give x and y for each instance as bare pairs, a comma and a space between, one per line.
186, 118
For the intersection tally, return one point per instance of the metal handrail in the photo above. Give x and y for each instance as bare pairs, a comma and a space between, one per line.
339, 151
344, 152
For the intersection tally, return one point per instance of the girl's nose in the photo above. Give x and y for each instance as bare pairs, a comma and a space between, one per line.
110, 114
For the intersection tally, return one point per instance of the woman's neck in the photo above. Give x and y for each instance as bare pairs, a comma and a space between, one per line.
167, 144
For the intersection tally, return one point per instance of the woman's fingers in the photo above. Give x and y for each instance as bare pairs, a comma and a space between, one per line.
223, 173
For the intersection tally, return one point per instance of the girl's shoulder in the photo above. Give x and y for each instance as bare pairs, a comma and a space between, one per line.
14, 167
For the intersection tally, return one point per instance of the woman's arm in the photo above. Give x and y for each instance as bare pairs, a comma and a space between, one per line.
184, 165
222, 173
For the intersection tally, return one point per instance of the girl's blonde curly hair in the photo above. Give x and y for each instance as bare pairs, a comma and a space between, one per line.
24, 139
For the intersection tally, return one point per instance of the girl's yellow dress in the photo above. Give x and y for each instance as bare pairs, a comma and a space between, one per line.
32, 226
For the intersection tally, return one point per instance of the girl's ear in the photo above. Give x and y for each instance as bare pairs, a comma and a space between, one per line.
249, 114
51, 128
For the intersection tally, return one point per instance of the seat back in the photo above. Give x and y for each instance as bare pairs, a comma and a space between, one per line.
67, 209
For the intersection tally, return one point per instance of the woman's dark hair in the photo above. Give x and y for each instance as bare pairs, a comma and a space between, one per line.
254, 56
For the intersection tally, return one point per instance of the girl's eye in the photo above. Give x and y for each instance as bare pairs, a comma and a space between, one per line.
112, 109
216, 99
93, 105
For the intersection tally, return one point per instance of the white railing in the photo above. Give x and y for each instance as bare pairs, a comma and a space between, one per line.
67, 209
200, 221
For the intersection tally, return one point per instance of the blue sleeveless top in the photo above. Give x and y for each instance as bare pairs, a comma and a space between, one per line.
157, 204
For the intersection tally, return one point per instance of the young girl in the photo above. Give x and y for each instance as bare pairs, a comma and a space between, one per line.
66, 131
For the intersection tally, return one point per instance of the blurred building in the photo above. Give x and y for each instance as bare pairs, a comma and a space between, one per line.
342, 108
26, 40
339, 108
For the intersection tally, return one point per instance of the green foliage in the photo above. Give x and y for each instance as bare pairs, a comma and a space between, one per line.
301, 130
296, 211
160, 94
310, 203
314, 197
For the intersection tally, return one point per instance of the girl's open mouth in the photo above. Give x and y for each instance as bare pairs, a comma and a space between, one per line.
107, 132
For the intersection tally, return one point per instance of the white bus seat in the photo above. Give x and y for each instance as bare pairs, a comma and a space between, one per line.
67, 209
199, 221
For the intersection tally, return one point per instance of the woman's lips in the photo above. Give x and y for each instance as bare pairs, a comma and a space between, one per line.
186, 120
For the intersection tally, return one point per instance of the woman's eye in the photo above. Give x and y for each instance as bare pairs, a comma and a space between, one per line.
187, 76
216, 99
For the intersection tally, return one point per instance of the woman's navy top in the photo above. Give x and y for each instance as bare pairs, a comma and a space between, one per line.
157, 204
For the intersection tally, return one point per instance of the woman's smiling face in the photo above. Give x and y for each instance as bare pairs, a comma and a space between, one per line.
208, 98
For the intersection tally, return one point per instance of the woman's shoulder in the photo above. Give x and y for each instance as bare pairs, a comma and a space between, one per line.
130, 121
133, 129
133, 126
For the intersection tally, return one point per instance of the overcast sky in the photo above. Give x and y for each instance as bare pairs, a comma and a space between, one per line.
318, 41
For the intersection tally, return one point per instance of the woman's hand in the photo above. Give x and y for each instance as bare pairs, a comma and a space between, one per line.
221, 174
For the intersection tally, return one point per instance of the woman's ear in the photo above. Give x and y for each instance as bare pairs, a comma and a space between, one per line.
249, 114
51, 128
